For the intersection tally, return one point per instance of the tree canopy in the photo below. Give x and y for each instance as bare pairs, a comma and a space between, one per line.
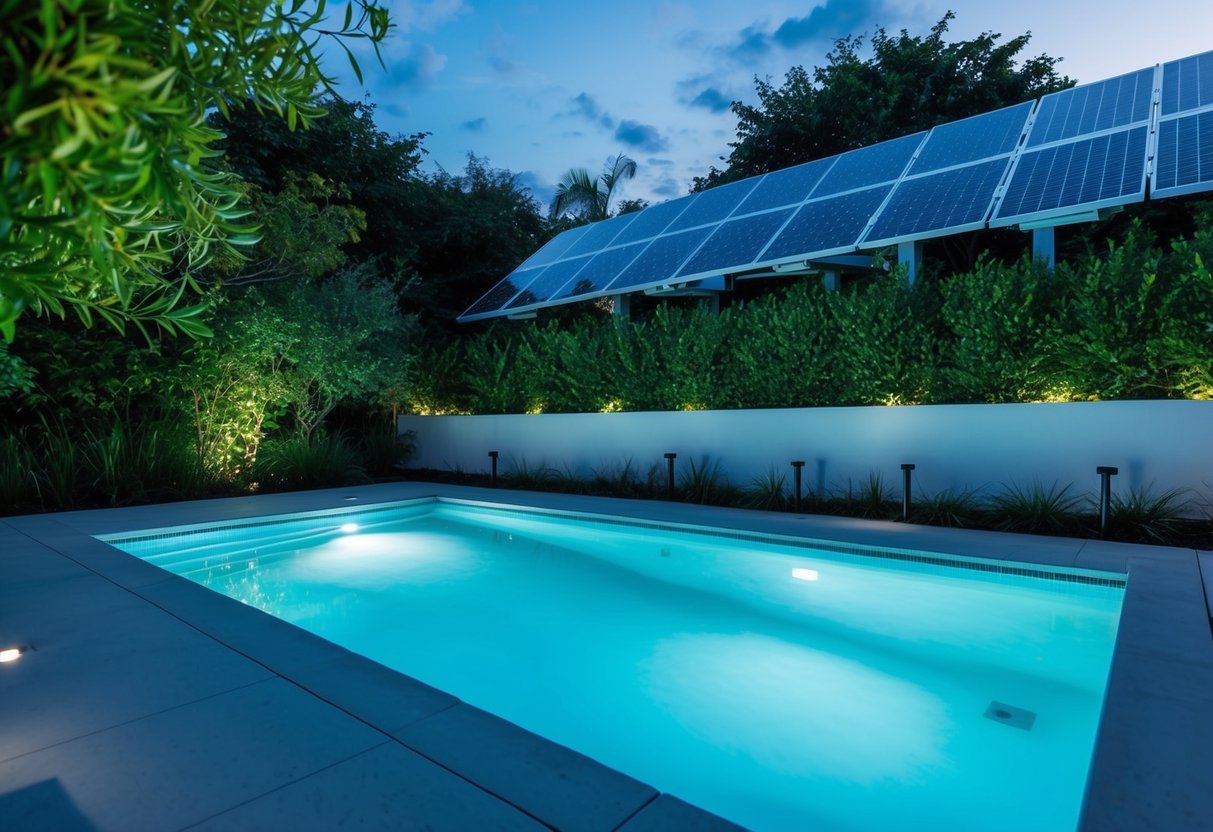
906, 84
107, 204
579, 193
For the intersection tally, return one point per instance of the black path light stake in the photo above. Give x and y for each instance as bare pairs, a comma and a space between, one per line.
797, 464
669, 462
1106, 472
906, 468
493, 456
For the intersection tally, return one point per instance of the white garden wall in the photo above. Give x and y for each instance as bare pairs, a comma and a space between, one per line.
1164, 444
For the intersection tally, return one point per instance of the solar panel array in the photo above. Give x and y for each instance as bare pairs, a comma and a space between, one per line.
1074, 151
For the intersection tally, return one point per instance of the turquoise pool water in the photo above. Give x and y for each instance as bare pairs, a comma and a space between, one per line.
782, 685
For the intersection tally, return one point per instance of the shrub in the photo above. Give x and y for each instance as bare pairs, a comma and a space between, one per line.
293, 462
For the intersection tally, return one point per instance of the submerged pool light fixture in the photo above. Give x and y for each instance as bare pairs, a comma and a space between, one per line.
11, 654
802, 574
1106, 472
349, 528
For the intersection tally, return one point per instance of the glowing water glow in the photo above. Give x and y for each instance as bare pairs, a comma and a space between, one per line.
10, 654
706, 666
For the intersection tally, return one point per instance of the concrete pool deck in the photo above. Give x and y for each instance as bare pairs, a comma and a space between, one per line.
150, 702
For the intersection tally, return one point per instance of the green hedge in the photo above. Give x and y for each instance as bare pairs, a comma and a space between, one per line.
1135, 321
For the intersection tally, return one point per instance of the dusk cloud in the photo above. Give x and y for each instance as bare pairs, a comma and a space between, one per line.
712, 99
827, 23
418, 67
824, 24
586, 105
475, 125
642, 136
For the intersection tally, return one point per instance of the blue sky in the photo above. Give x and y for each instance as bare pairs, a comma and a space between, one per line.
539, 86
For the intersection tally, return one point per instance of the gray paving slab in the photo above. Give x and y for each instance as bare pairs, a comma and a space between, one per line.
561, 787
1180, 634
102, 657
24, 561
1205, 561
668, 813
184, 765
1146, 763
388, 788
92, 554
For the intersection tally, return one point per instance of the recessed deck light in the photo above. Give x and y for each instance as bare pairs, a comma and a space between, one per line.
804, 574
10, 654
349, 528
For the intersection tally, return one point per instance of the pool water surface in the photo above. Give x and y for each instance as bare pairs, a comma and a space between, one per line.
778, 683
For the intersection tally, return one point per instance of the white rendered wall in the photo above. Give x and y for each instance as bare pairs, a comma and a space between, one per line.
1162, 444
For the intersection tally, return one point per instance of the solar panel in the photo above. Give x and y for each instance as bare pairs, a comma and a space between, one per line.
872, 165
1086, 148
599, 235
827, 226
661, 260
1187, 84
555, 248
789, 186
547, 284
497, 297
971, 139
653, 220
736, 243
714, 205
600, 271
1078, 111
1184, 161
1106, 170
948, 202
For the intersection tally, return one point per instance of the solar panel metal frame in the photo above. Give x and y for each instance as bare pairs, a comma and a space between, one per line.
1202, 61
1027, 150
909, 176
1199, 186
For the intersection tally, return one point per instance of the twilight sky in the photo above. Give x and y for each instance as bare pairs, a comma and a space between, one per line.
539, 86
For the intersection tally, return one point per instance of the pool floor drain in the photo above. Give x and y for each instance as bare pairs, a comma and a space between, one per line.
1010, 715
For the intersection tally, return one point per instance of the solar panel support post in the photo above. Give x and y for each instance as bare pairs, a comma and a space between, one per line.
669, 461
910, 253
622, 306
830, 279
1043, 240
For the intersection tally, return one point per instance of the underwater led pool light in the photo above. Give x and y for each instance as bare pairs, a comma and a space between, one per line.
804, 574
11, 654
349, 528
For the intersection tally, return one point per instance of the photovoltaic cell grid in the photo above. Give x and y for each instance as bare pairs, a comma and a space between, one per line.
1087, 148
1183, 160
1104, 105
951, 185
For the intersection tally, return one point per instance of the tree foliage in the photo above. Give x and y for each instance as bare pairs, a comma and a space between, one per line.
579, 193
107, 204
906, 84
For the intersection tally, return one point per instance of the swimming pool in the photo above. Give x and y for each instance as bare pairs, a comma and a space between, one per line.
779, 683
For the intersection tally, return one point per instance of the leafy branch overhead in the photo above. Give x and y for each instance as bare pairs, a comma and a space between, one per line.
107, 205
